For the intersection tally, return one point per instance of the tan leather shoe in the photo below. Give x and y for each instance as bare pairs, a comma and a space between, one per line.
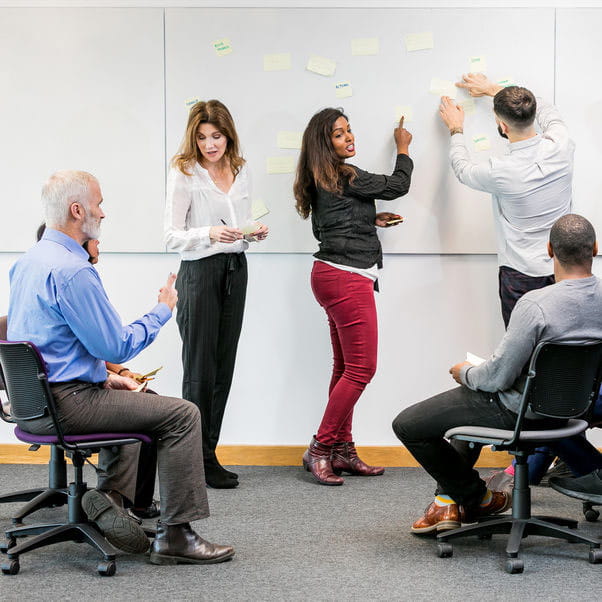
438, 518
500, 502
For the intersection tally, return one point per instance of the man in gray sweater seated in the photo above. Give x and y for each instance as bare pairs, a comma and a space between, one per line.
489, 394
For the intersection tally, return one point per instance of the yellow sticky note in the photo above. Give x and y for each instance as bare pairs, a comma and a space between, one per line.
481, 143
364, 46
443, 87
248, 228
343, 89
468, 105
477, 64
289, 139
190, 102
222, 46
277, 62
258, 209
419, 41
506, 81
284, 164
404, 111
321, 65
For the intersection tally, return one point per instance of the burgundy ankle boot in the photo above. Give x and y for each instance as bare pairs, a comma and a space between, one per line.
316, 460
345, 459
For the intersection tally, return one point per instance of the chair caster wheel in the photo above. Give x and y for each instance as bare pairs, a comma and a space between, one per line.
10, 567
591, 515
445, 550
484, 536
107, 569
514, 565
595, 556
5, 546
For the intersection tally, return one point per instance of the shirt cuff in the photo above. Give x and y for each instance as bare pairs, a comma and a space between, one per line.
457, 140
163, 313
464, 370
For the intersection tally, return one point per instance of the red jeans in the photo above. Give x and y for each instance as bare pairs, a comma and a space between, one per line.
348, 300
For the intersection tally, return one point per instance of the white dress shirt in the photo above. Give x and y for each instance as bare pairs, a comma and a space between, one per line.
531, 187
194, 204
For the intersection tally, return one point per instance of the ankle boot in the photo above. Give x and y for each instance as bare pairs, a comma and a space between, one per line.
345, 459
316, 460
179, 544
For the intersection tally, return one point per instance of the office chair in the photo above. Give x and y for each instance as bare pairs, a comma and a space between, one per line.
30, 397
563, 381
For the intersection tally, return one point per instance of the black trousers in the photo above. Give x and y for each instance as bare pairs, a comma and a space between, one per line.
211, 301
514, 284
421, 428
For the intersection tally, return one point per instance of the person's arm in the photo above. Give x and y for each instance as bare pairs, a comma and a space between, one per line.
87, 310
502, 369
476, 175
551, 123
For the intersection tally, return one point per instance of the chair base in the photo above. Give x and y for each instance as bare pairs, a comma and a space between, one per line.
36, 500
518, 529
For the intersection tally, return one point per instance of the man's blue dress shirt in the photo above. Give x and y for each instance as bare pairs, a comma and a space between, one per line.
57, 302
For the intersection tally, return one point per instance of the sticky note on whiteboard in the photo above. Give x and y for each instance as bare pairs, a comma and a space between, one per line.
404, 111
343, 90
468, 105
364, 46
190, 102
289, 139
443, 87
222, 46
481, 143
477, 64
419, 41
506, 81
277, 62
321, 65
284, 164
258, 209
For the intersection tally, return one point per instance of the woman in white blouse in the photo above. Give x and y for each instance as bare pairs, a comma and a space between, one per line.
208, 221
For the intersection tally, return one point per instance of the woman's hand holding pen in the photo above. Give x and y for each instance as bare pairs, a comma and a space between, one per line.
224, 234
403, 138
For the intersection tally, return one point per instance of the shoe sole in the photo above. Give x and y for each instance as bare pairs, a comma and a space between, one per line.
171, 560
445, 525
120, 530
307, 467
586, 497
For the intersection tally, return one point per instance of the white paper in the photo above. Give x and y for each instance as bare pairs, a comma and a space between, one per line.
258, 209
481, 143
343, 90
443, 87
321, 65
477, 64
419, 41
222, 46
475, 360
405, 111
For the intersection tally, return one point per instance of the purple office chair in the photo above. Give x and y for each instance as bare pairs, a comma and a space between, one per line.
30, 397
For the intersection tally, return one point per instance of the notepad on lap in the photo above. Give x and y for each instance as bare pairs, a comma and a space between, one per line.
475, 360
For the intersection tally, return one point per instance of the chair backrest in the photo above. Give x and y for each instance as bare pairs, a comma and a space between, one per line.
26, 381
3, 330
564, 379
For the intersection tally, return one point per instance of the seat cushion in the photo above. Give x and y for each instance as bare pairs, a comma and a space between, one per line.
83, 439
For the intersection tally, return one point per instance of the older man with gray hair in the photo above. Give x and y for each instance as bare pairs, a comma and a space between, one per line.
57, 301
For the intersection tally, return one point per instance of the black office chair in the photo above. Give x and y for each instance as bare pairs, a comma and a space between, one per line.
46, 497
563, 381
30, 397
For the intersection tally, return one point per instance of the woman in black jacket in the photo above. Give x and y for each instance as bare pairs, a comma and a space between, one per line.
340, 199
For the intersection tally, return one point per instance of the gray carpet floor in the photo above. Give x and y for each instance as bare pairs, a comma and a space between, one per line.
296, 540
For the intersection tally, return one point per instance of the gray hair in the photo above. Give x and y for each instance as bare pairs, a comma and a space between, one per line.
61, 190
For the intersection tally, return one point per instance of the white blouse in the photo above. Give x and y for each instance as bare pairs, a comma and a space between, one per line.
194, 204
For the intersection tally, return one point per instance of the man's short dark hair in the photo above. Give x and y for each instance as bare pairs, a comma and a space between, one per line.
516, 106
573, 238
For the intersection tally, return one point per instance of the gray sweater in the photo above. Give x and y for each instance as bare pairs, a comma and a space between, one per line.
567, 312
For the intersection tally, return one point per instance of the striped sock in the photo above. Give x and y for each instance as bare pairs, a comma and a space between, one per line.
443, 500
486, 498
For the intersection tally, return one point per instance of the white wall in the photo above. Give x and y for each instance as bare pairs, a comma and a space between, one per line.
432, 309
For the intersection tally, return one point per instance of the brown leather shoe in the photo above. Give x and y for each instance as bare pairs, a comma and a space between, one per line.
438, 518
500, 502
316, 460
345, 459
179, 544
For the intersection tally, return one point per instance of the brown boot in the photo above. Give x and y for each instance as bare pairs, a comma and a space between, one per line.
316, 460
345, 459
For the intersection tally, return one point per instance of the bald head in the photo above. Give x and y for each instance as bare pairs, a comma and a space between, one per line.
573, 241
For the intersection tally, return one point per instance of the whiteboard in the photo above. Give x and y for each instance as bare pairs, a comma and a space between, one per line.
579, 98
83, 89
442, 216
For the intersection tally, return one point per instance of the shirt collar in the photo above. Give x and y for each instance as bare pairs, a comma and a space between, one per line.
65, 241
514, 146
